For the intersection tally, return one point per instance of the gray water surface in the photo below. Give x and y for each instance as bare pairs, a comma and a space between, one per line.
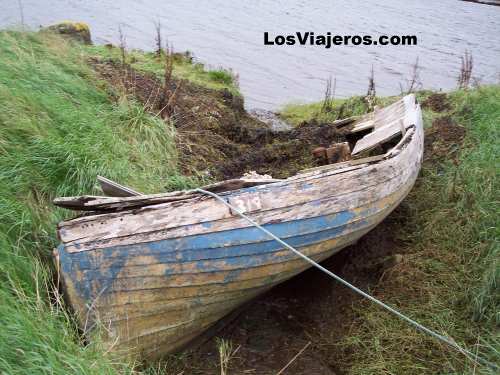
230, 34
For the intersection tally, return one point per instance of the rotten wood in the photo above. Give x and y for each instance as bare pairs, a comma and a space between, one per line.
338, 152
114, 189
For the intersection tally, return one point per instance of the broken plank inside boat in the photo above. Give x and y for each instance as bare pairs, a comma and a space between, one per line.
158, 270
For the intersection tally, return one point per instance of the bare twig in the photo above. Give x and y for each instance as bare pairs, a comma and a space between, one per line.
371, 92
226, 352
168, 97
329, 95
21, 12
414, 83
294, 358
158, 39
123, 45
465, 76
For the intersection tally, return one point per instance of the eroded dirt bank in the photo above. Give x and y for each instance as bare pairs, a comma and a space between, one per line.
215, 135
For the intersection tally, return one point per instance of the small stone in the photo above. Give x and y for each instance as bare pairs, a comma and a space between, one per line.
393, 260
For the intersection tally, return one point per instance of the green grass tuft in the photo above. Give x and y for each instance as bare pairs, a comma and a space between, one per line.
58, 131
296, 113
222, 76
183, 67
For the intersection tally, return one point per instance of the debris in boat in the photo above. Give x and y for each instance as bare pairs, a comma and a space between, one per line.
252, 175
377, 137
319, 154
338, 152
114, 189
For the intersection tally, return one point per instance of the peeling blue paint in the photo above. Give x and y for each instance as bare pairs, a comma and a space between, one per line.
237, 249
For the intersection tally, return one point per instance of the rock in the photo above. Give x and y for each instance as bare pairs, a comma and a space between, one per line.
271, 119
78, 31
393, 260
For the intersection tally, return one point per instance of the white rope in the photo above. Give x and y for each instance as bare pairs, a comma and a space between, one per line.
445, 339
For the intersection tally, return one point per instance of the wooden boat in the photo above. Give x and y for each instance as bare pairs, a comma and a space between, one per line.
155, 271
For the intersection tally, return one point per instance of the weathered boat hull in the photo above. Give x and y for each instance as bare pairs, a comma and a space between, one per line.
162, 278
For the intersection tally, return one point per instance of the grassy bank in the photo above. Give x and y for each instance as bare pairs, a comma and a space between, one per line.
58, 130
448, 278
184, 67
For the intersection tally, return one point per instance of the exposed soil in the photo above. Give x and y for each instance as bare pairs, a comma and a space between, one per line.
215, 135
216, 132
437, 102
443, 139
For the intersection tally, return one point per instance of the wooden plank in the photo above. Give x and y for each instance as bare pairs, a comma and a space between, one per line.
345, 121
369, 124
378, 137
97, 203
114, 189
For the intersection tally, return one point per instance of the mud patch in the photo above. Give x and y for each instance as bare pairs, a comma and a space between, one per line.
283, 153
437, 102
443, 139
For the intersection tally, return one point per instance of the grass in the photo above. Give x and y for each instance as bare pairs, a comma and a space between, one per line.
184, 68
58, 130
449, 277
297, 113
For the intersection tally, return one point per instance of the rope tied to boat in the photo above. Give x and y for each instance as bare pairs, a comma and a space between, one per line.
445, 339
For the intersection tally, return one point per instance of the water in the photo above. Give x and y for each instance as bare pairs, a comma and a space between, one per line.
230, 34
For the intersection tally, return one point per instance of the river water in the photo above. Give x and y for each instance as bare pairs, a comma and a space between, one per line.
230, 34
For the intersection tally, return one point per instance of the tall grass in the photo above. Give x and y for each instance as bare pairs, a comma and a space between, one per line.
58, 130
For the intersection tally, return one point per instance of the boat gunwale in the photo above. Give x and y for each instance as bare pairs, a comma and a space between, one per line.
101, 244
